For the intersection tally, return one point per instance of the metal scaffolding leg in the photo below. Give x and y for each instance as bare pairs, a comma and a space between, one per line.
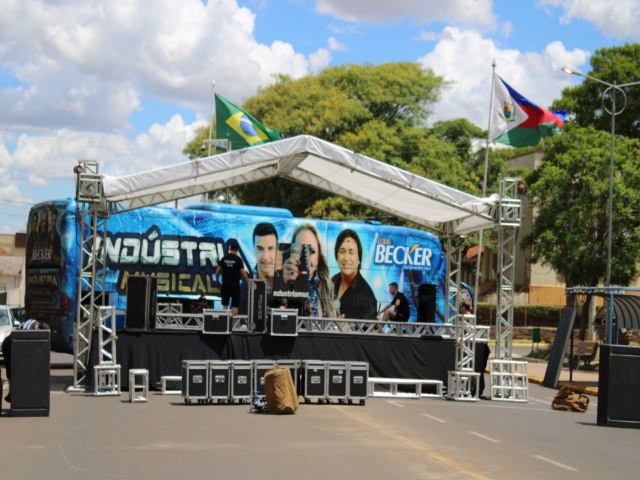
454, 262
92, 279
508, 221
463, 383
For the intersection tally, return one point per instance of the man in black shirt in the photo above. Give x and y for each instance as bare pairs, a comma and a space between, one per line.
400, 304
232, 269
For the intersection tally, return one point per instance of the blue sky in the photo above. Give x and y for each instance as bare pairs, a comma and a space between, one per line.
127, 83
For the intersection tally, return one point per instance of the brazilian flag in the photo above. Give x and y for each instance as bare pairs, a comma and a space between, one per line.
239, 127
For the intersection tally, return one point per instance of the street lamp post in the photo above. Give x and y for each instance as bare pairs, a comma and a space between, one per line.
613, 88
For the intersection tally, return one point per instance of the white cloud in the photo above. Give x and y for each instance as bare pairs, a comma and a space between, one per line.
320, 59
428, 36
464, 58
74, 58
617, 19
335, 44
467, 12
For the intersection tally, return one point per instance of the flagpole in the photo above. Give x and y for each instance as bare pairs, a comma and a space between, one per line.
205, 196
484, 189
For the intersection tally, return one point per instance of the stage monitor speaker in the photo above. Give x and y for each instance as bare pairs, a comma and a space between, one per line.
216, 321
619, 386
426, 303
284, 322
258, 306
30, 373
137, 311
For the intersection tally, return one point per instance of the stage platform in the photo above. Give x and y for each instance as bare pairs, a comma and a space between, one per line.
162, 352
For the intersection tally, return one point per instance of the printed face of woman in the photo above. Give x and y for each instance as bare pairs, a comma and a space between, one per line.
348, 258
307, 237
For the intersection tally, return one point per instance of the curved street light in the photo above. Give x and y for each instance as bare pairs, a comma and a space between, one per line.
612, 88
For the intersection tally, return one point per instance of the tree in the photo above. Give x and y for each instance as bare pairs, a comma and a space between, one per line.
379, 111
570, 190
613, 65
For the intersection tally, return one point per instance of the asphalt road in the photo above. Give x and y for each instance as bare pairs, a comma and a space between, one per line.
88, 437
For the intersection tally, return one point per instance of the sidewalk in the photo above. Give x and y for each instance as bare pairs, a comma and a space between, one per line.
583, 381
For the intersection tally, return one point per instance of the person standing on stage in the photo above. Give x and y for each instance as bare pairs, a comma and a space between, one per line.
232, 269
400, 304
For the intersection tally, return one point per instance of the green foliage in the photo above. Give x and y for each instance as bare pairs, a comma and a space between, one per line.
379, 111
615, 65
530, 315
570, 191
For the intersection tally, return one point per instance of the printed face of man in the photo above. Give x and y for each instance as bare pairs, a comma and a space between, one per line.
306, 237
265, 249
348, 258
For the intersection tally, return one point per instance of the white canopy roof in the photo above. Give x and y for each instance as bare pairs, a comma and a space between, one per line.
317, 163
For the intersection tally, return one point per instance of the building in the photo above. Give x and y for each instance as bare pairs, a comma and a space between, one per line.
12, 264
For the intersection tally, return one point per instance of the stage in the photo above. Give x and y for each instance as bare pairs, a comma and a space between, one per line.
162, 352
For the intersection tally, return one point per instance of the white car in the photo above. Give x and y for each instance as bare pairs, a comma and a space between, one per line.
7, 322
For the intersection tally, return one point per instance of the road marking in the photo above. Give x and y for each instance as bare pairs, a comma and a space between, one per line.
484, 437
421, 447
553, 462
395, 404
435, 419
538, 400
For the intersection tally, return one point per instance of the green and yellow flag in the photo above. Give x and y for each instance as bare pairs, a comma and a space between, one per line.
239, 127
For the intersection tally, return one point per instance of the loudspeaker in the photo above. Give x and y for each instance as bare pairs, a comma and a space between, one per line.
619, 386
216, 321
284, 322
30, 375
137, 311
257, 306
426, 303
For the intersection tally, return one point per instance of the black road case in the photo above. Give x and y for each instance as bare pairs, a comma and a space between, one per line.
260, 367
195, 380
240, 381
216, 321
337, 381
314, 380
284, 322
358, 377
219, 381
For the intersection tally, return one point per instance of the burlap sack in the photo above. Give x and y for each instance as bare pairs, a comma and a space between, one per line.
280, 391
567, 400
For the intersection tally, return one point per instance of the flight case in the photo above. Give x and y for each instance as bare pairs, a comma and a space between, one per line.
195, 380
313, 379
219, 381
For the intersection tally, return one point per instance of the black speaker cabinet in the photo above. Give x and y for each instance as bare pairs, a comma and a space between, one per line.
30, 375
141, 303
284, 322
426, 303
619, 386
216, 321
258, 306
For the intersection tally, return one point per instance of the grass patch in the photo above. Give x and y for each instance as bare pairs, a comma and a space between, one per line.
540, 354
